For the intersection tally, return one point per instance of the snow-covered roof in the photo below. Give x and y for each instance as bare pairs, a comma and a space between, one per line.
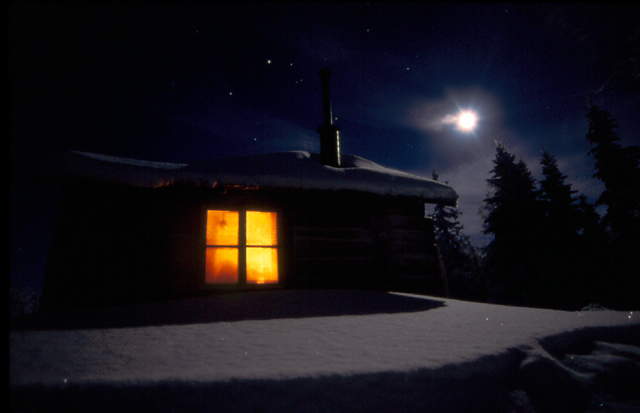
291, 170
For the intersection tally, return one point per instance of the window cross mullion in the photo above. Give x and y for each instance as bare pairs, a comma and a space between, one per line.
229, 258
242, 253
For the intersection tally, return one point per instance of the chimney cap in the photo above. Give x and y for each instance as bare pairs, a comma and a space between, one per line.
324, 72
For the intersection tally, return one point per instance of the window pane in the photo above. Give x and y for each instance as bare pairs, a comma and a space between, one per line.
221, 266
262, 228
222, 227
262, 265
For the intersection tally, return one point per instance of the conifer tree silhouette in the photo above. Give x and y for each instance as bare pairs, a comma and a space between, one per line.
618, 169
513, 216
560, 246
460, 258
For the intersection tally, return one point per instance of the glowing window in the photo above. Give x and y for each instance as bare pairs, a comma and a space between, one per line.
222, 227
248, 237
262, 247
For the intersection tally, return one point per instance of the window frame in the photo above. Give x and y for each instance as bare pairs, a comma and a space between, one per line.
242, 247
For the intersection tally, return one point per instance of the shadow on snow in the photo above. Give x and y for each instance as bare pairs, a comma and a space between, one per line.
232, 307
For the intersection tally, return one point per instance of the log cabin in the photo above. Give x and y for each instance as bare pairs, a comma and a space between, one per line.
131, 231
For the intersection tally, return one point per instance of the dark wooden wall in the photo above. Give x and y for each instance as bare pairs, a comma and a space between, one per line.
118, 244
365, 241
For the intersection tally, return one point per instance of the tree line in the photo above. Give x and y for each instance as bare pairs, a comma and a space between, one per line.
549, 247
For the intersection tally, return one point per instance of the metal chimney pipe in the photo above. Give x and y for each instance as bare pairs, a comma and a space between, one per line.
329, 133
326, 97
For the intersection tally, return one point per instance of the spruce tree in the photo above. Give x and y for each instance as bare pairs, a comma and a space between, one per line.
593, 264
560, 252
618, 168
458, 255
512, 216
560, 204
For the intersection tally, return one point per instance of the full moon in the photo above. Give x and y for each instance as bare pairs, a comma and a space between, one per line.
467, 121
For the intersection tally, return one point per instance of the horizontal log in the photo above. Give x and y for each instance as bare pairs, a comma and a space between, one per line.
402, 222
409, 236
329, 268
333, 233
334, 248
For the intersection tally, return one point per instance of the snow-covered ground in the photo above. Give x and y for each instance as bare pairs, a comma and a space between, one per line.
326, 351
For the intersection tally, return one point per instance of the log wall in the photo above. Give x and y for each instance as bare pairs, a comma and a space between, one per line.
116, 244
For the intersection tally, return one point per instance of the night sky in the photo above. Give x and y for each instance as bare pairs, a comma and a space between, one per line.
182, 81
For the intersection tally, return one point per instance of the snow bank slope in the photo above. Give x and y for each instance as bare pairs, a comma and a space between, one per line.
313, 350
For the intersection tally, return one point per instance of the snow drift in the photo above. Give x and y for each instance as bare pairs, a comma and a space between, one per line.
325, 351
